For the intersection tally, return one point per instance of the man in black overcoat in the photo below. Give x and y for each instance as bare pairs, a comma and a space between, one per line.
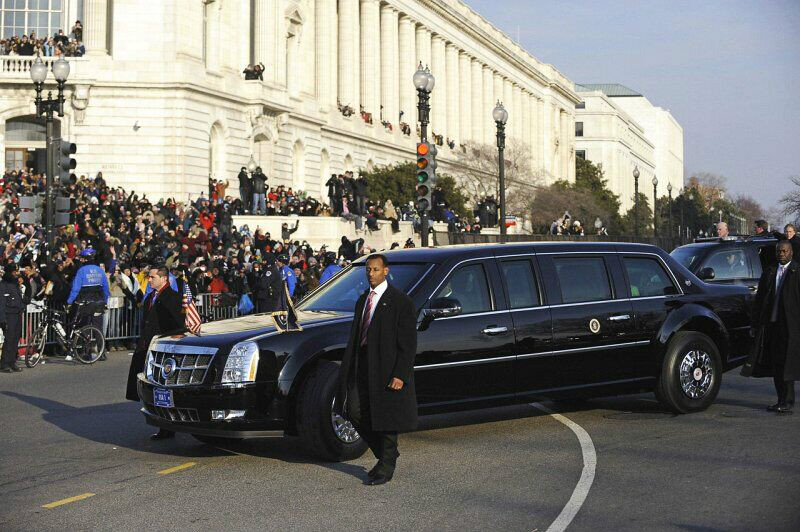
161, 314
12, 306
776, 326
376, 380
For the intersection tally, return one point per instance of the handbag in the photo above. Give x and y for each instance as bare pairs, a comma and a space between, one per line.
245, 305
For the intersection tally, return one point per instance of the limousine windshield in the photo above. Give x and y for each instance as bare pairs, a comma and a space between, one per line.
341, 293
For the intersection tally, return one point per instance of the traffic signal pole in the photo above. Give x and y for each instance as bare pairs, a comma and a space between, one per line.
49, 210
424, 110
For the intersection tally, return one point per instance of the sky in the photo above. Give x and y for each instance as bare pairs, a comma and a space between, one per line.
728, 71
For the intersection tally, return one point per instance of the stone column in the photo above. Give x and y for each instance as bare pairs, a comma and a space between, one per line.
533, 132
95, 15
423, 47
407, 54
349, 57
508, 102
325, 94
439, 96
477, 101
370, 58
488, 104
518, 111
333, 49
524, 126
389, 67
465, 96
453, 119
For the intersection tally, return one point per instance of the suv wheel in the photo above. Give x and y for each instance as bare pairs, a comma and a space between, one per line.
325, 434
691, 373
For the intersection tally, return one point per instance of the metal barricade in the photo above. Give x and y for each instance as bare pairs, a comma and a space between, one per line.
122, 320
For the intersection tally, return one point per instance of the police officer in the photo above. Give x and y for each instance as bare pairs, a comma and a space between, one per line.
90, 286
286, 273
268, 286
331, 268
12, 305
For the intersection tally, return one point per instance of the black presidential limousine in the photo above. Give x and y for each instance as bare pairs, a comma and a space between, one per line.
498, 324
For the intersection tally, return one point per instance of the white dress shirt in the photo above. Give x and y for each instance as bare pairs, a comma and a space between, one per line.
378, 291
780, 274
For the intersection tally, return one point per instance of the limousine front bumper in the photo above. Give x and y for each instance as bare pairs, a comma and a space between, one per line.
243, 411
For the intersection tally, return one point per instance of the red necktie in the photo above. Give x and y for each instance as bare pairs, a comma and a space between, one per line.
366, 319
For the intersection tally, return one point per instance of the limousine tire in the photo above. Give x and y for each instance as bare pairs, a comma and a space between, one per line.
691, 373
326, 435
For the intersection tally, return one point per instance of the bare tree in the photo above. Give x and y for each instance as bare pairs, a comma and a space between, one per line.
709, 186
750, 209
479, 171
790, 202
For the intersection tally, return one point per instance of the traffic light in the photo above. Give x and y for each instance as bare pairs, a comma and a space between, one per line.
31, 209
64, 164
426, 175
65, 210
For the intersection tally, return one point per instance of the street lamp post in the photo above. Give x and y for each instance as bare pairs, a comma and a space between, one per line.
655, 206
669, 193
47, 108
424, 83
636, 201
500, 116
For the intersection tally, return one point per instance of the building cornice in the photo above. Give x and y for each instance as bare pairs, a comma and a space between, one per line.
450, 15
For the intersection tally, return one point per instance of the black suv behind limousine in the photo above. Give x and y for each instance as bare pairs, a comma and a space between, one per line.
498, 324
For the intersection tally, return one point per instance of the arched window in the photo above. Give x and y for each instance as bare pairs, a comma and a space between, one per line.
348, 162
298, 167
294, 67
216, 152
262, 153
325, 171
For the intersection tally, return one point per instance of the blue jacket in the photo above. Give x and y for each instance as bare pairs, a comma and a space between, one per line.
329, 272
288, 275
90, 277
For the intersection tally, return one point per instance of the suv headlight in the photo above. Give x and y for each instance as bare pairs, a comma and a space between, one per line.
242, 364
148, 366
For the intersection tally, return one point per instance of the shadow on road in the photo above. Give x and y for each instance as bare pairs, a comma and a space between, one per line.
118, 424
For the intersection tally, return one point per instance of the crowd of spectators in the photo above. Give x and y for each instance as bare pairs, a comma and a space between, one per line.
58, 45
195, 240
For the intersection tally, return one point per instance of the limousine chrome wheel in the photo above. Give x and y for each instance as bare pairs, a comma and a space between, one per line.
344, 429
696, 373
327, 435
691, 373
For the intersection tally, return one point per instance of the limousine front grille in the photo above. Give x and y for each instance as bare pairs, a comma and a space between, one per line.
174, 365
175, 414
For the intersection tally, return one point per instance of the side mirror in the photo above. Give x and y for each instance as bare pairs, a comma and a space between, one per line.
706, 274
442, 307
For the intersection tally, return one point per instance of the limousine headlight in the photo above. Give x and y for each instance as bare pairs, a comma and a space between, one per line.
242, 364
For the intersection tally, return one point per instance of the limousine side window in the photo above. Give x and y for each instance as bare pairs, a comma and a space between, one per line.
468, 285
647, 278
522, 292
582, 279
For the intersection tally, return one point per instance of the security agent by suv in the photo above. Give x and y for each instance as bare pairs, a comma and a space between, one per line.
497, 325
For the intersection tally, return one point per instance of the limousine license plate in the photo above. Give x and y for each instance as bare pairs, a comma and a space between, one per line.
162, 397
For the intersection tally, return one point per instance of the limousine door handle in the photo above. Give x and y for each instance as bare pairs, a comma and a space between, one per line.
491, 331
619, 317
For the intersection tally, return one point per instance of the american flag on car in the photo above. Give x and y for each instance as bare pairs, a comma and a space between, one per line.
193, 321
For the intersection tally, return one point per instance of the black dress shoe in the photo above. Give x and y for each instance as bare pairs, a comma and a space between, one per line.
6, 369
162, 434
784, 409
773, 408
378, 479
16, 368
373, 472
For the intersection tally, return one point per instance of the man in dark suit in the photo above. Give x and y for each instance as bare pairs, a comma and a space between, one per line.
161, 314
376, 381
776, 326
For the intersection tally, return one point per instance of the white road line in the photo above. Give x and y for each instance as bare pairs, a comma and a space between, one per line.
580, 492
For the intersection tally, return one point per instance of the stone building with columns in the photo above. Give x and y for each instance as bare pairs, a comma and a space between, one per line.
620, 129
159, 102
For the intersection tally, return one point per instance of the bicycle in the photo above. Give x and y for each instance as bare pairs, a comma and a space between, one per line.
86, 344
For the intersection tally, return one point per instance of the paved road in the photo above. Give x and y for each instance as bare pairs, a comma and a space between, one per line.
67, 431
